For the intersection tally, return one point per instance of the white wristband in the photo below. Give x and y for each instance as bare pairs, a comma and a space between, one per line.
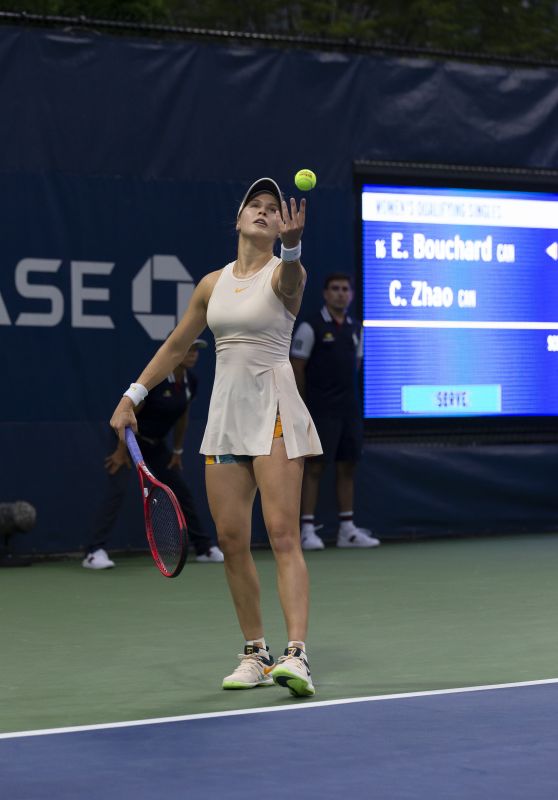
291, 253
178, 451
137, 393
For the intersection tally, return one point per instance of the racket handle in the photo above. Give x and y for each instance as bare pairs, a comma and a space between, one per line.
133, 446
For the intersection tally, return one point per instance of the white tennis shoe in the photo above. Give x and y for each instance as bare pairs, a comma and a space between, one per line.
213, 556
309, 539
293, 672
251, 671
351, 536
98, 559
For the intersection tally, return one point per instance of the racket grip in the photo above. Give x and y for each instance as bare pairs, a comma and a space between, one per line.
133, 446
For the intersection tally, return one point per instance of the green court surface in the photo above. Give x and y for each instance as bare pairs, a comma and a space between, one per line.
82, 647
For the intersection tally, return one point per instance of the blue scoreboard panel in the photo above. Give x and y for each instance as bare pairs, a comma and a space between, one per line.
459, 291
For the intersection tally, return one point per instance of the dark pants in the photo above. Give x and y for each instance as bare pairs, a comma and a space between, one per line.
341, 437
156, 456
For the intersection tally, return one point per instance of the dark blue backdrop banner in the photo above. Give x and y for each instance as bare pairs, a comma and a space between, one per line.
122, 162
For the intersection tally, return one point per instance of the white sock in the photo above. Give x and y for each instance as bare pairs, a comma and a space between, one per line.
307, 519
256, 643
346, 521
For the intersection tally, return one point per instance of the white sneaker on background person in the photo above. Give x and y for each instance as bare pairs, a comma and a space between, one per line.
351, 536
309, 539
98, 559
213, 556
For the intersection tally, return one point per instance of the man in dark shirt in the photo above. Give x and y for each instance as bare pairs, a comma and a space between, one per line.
326, 355
166, 408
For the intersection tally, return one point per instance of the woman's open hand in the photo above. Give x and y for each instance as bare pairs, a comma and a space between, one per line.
291, 224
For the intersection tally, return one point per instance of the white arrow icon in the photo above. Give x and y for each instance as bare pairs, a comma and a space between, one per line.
552, 250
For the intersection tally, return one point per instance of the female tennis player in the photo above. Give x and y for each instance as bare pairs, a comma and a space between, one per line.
258, 429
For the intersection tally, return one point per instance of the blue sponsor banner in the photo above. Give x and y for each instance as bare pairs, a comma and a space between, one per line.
122, 163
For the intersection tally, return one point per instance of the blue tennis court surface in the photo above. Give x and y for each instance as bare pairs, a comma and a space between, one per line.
496, 744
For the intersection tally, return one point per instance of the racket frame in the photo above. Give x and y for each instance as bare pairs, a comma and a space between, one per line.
148, 480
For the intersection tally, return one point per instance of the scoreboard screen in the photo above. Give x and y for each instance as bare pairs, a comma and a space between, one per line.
459, 291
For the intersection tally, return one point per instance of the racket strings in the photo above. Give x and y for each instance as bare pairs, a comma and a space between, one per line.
166, 530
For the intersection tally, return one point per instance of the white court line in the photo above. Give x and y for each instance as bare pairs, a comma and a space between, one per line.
266, 709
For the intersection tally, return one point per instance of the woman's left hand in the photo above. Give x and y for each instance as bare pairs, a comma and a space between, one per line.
292, 224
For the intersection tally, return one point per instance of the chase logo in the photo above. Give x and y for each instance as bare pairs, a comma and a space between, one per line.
80, 301
160, 268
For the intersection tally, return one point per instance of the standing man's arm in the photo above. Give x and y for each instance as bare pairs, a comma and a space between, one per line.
181, 424
301, 349
299, 369
178, 433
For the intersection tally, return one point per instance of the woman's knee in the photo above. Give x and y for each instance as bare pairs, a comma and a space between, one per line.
232, 541
284, 536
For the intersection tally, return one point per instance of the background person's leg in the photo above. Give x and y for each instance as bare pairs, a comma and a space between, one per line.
104, 518
199, 538
344, 485
313, 469
157, 458
348, 452
329, 430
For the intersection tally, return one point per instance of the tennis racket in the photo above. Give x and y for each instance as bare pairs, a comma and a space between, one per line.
165, 525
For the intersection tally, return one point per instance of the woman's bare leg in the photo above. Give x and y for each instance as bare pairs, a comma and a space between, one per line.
231, 489
279, 480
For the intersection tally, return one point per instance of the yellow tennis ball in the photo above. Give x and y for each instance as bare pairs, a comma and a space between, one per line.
305, 180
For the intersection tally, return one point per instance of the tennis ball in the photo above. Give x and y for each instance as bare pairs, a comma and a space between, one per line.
305, 180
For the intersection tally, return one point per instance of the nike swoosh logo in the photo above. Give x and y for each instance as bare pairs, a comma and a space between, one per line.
241, 290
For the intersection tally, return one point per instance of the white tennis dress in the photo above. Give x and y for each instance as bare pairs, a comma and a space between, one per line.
253, 376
